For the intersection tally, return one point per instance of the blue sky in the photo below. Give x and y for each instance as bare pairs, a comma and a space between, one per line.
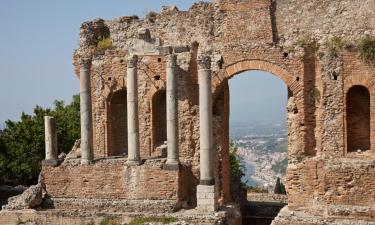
38, 39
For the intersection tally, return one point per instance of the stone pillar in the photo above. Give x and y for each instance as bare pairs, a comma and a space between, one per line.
172, 115
86, 112
206, 191
50, 140
133, 120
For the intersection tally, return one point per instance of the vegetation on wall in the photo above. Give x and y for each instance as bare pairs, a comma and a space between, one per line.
307, 42
146, 220
367, 50
335, 45
22, 146
105, 43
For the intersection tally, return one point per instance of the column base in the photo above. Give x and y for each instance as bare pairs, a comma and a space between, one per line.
50, 162
133, 162
207, 182
171, 165
86, 162
207, 198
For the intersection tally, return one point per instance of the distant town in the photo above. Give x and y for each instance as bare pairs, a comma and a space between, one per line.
262, 148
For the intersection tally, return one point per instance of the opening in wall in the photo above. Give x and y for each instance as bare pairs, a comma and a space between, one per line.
118, 124
358, 119
159, 119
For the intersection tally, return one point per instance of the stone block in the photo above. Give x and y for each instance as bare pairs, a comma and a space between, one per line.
207, 198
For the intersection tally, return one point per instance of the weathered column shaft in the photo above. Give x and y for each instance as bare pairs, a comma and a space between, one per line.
50, 138
132, 101
172, 116
205, 118
86, 112
207, 194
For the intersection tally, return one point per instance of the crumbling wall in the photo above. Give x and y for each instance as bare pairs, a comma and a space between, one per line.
283, 37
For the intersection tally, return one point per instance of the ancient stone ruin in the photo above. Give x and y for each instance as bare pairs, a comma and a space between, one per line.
155, 114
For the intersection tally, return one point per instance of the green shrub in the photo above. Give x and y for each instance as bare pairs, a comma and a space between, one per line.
307, 42
105, 43
257, 189
143, 220
315, 95
367, 50
22, 142
19, 222
335, 45
237, 169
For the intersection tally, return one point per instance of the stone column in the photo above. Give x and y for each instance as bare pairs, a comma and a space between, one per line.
86, 112
133, 119
206, 191
50, 140
172, 115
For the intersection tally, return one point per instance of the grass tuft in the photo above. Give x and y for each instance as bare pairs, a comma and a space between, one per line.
251, 189
108, 221
143, 220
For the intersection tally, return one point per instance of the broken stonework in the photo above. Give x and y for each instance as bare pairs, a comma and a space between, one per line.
324, 177
30, 199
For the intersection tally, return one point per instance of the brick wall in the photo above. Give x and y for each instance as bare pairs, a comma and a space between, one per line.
108, 179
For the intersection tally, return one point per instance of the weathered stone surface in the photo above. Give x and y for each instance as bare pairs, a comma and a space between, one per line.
284, 38
29, 199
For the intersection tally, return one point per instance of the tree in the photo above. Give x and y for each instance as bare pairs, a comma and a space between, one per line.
22, 147
236, 168
237, 171
279, 187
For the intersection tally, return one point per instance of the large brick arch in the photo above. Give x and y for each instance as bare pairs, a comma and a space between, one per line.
257, 64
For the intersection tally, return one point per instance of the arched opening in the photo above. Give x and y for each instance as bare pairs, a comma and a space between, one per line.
268, 112
118, 124
258, 132
159, 119
358, 119
258, 103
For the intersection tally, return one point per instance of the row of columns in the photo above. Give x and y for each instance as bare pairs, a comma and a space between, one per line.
205, 113
207, 182
132, 110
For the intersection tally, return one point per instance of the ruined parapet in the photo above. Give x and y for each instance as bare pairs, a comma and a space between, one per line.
324, 175
29, 199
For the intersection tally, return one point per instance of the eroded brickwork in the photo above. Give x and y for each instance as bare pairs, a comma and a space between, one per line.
290, 39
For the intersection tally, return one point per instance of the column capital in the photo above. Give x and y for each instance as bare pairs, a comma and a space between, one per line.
204, 62
85, 63
131, 61
171, 60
